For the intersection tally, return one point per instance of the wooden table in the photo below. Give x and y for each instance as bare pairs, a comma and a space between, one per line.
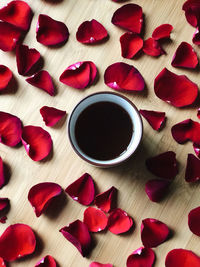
65, 166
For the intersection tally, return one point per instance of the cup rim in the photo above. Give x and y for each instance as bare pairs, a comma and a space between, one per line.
91, 161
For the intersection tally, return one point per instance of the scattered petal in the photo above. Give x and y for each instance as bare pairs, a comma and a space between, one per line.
90, 32
17, 241
162, 32
95, 219
51, 32
77, 233
141, 257
198, 113
156, 189
119, 222
193, 221
42, 80
106, 200
2, 177
37, 142
196, 37
153, 232
4, 204
82, 190
131, 44
182, 258
152, 48
196, 149
5, 77
192, 12
51, 115
129, 17
192, 173
3, 220
174, 89
97, 264
47, 261
163, 165
2, 263
155, 118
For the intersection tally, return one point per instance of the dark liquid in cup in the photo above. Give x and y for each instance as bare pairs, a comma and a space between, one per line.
103, 130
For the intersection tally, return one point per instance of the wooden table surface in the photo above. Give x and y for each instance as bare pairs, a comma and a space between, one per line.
65, 166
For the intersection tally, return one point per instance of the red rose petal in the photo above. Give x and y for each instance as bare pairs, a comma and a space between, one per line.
153, 232
162, 32
77, 233
47, 261
2, 263
4, 204
95, 219
198, 113
192, 172
131, 44
176, 90
41, 195
82, 190
122, 76
152, 48
51, 115
17, 241
142, 257
17, 13
3, 220
182, 258
5, 77
105, 201
2, 177
156, 189
51, 32
119, 222
196, 149
97, 264
79, 75
163, 165
155, 118
192, 12
37, 142
42, 80
193, 221
196, 37
129, 17
90, 32
10, 129
185, 57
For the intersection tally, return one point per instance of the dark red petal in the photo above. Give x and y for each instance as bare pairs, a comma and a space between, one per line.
95, 219
17, 13
51, 32
129, 17
10, 129
174, 89
97, 264
42, 80
156, 189
153, 232
152, 48
79, 75
122, 76
77, 233
186, 130
2, 177
106, 200
41, 195
119, 222
51, 115
162, 32
82, 190
17, 241
193, 221
3, 220
131, 44
37, 142
196, 37
192, 12
196, 149
90, 32
5, 77
2, 263
185, 57
198, 113
47, 261
155, 118
4, 204
192, 172
163, 165
28, 60
182, 258
141, 257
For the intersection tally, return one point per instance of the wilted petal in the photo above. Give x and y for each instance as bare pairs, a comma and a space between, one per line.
47, 261
183, 258
119, 222
192, 173
4, 204
192, 12
193, 221
152, 48
141, 257
5, 77
131, 44
95, 219
155, 118
3, 220
156, 189
162, 32
51, 115
106, 200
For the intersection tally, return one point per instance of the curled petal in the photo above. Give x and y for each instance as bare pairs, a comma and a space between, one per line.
42, 80
162, 32
156, 189
196, 37
183, 258
141, 257
196, 149
5, 77
10, 129
2, 177
51, 32
193, 221
41, 195
119, 222
97, 264
153, 232
47, 261
129, 17
192, 12
82, 190
185, 57
106, 200
51, 115
90, 32
163, 165
131, 44
3, 220
37, 142
192, 173
2, 263
174, 89
77, 233
4, 204
152, 48
155, 118
79, 75
95, 219
122, 76
17, 241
